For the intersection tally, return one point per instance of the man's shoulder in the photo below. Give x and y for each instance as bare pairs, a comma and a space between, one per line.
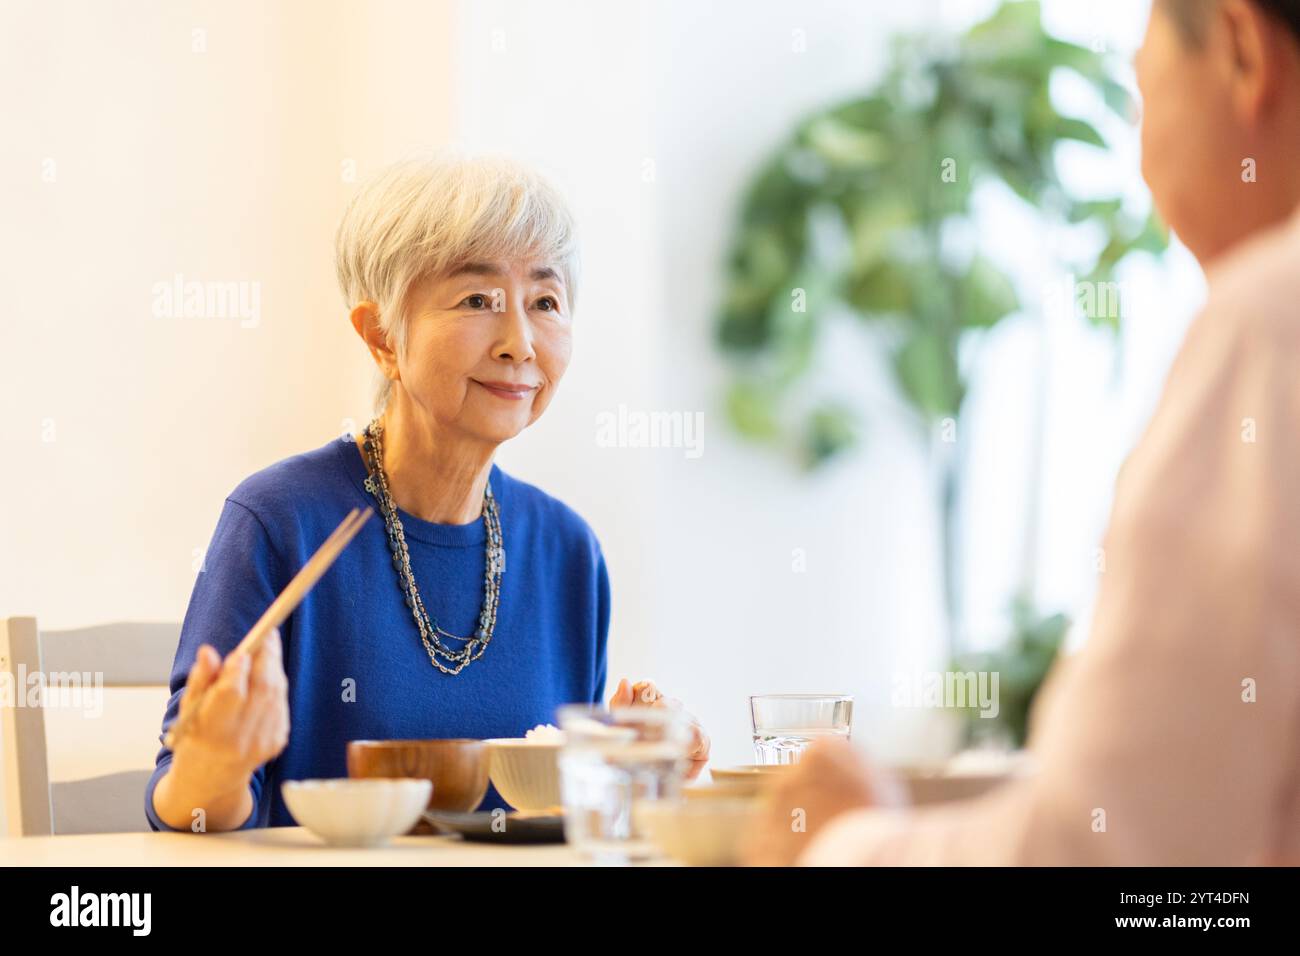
1258, 285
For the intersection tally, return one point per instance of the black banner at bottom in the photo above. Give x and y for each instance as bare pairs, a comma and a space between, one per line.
337, 905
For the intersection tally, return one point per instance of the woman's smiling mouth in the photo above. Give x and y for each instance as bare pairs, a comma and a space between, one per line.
508, 390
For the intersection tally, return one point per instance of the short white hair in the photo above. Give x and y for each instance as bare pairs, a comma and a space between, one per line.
426, 216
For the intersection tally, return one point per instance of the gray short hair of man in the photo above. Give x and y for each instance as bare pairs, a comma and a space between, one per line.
425, 216
1192, 16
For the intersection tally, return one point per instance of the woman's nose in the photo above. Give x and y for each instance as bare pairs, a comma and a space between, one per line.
516, 337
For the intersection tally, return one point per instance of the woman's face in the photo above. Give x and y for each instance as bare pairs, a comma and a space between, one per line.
487, 345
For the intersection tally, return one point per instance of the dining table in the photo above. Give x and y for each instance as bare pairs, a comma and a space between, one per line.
962, 778
273, 846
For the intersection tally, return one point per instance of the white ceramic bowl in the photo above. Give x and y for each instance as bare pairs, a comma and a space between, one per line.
969, 774
697, 832
526, 772
363, 812
750, 778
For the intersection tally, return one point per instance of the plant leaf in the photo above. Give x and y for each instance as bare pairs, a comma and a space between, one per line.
881, 288
845, 147
987, 295
926, 369
831, 428
1069, 127
752, 410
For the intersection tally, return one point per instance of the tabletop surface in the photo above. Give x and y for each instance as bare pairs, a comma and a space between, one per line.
276, 846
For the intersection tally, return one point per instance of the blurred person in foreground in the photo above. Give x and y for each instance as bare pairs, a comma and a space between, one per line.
1178, 724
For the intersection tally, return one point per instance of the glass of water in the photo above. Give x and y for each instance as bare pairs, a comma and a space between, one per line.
785, 724
611, 761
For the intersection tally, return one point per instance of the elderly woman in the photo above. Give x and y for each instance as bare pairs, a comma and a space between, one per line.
494, 607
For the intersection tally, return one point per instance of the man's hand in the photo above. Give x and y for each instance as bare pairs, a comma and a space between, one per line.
829, 779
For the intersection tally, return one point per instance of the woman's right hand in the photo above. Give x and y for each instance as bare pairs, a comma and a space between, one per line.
242, 719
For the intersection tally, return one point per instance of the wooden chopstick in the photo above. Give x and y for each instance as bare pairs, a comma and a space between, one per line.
287, 600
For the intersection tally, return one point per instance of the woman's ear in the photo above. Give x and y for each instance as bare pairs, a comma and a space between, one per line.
365, 319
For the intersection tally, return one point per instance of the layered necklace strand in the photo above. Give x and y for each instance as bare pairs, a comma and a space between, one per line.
431, 634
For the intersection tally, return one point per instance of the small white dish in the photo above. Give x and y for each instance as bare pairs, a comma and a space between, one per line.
361, 812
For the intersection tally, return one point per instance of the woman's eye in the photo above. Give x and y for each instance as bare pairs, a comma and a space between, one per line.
476, 301
548, 304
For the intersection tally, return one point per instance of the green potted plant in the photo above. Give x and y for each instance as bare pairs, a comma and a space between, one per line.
855, 210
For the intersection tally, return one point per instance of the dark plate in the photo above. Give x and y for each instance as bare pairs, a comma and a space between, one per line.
513, 828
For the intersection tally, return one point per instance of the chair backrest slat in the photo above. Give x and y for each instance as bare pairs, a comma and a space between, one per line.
126, 654
27, 782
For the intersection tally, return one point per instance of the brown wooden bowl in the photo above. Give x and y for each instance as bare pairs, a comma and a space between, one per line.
458, 769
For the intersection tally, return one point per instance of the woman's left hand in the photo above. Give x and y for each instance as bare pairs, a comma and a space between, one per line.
645, 694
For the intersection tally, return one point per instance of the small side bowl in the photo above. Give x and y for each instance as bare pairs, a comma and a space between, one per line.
346, 812
749, 778
525, 772
697, 832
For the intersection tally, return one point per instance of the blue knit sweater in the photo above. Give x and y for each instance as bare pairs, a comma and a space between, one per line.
352, 652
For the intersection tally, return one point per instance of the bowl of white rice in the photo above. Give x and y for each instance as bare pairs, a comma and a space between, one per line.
526, 770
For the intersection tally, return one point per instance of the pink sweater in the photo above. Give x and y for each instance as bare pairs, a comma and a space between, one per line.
1173, 737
